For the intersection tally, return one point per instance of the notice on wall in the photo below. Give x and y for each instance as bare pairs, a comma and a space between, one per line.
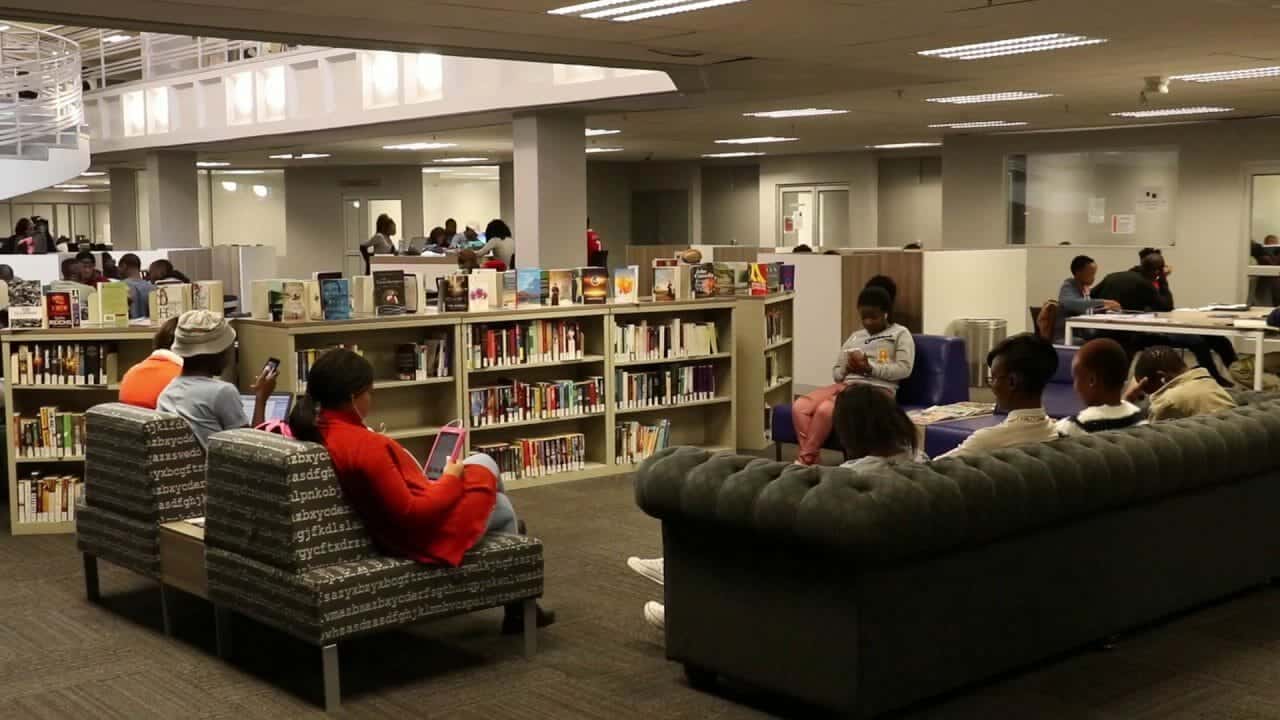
1097, 210
1152, 199
1124, 224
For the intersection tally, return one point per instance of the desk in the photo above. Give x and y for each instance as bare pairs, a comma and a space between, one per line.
1183, 322
181, 565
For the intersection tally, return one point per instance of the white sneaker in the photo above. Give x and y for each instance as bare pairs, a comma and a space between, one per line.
654, 570
655, 613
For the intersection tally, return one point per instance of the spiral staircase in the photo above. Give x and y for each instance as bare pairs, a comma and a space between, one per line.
43, 139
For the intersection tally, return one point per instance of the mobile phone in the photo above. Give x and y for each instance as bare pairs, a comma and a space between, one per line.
447, 448
271, 367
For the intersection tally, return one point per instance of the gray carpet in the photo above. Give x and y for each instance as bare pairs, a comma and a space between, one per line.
61, 657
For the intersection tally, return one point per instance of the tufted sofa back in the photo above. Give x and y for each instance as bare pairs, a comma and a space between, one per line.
911, 510
277, 501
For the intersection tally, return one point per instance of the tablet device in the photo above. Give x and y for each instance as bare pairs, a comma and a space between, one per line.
447, 448
277, 406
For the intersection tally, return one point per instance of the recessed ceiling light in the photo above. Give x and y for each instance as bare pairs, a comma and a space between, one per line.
77, 190
629, 10
592, 132
800, 112
230, 185
283, 156
420, 146
70, 186
1013, 46
5, 27
92, 173
978, 124
1224, 75
461, 160
593, 150
990, 97
211, 163
261, 191
116, 38
302, 156
901, 146
755, 140
242, 172
732, 154
1166, 112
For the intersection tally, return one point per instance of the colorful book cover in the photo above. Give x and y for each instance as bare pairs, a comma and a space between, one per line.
483, 290
335, 298
724, 279
169, 301
773, 276
704, 280
510, 289
625, 284
453, 293
595, 285
113, 304
759, 280
293, 303
528, 287
389, 292
207, 295
58, 310
788, 276
560, 289
664, 284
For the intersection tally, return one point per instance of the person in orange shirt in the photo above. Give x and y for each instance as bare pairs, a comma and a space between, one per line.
144, 382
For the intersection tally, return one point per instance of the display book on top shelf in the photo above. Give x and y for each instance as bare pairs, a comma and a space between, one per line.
52, 377
555, 364
764, 378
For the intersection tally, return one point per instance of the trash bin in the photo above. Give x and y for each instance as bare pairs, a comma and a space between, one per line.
980, 336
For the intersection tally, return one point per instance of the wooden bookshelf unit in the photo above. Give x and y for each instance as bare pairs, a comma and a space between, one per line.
759, 390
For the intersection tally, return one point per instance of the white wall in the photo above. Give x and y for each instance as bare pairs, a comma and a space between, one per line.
909, 197
470, 202
962, 284
1266, 207
858, 170
817, 321
240, 216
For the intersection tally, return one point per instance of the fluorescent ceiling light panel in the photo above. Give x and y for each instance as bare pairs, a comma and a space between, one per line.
904, 145
586, 7
302, 156
92, 173
243, 172
460, 160
7, 27
705, 4
117, 38
70, 186
755, 140
1167, 112
630, 7
1226, 75
420, 146
800, 112
211, 163
978, 124
732, 154
77, 190
593, 132
1012, 46
990, 97
593, 150
631, 10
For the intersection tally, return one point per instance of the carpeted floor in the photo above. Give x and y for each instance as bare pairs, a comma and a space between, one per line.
61, 657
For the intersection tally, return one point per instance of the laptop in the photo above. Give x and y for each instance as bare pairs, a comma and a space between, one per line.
277, 406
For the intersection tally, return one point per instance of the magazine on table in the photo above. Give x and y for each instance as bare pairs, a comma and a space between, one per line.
954, 411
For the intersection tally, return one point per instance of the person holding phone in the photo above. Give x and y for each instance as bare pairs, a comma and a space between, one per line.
199, 395
408, 514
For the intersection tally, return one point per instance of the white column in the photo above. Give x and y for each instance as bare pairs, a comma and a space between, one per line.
507, 195
173, 204
550, 190
124, 208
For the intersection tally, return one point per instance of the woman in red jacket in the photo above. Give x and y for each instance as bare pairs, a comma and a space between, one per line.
407, 514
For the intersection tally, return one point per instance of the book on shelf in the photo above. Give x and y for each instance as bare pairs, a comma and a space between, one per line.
674, 338
773, 276
207, 295
626, 281
672, 282
560, 288
420, 361
537, 457
704, 281
415, 293
528, 287
362, 295
725, 279
593, 284
389, 292
665, 386
520, 401
26, 304
636, 441
484, 290
262, 294
775, 326
48, 498
58, 310
168, 301
63, 364
306, 358
523, 342
315, 304
293, 301
451, 293
335, 298
110, 305
510, 289
51, 434
759, 274
787, 275
771, 366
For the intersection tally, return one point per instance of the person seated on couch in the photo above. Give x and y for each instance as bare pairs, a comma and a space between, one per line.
144, 382
1172, 390
1020, 368
1099, 371
874, 430
407, 514
881, 354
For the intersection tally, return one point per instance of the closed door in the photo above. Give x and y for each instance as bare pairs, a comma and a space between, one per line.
814, 215
833, 217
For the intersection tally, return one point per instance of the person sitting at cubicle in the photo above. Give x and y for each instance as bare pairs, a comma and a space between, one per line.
1171, 390
381, 242
881, 354
498, 240
1019, 368
144, 382
89, 274
408, 515
209, 404
139, 287
1099, 373
73, 279
162, 272
1074, 298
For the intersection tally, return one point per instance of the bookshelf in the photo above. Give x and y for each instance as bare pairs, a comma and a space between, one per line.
131, 345
757, 389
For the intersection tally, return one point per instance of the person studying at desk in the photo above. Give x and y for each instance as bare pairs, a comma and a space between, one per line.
1074, 297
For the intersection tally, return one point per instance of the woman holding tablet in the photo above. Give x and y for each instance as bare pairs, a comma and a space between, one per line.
407, 514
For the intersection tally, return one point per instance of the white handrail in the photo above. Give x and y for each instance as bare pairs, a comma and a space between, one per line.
41, 101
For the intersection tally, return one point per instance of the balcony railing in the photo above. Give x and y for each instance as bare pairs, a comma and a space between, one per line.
40, 92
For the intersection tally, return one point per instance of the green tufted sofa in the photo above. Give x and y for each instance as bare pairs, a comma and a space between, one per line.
869, 592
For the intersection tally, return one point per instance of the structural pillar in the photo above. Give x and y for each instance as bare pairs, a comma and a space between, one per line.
124, 208
507, 195
173, 204
550, 190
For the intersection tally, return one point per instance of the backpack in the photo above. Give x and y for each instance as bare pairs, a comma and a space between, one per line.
1047, 320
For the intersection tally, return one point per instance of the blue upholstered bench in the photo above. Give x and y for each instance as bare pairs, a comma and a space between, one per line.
940, 376
1060, 398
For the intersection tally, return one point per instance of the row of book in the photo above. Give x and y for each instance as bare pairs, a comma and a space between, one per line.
48, 498
636, 441
169, 300
51, 434
520, 401
667, 386
773, 368
33, 305
525, 342
536, 457
674, 279
64, 364
775, 328
661, 340
307, 358
419, 361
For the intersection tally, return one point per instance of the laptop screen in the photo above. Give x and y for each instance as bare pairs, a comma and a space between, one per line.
277, 406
